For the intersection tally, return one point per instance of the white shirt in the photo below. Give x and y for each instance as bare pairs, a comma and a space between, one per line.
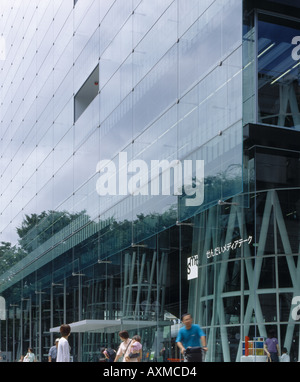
124, 350
63, 351
285, 358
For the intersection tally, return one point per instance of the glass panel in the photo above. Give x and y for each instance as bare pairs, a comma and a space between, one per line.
285, 303
113, 21
116, 53
267, 303
85, 159
278, 69
203, 34
156, 92
75, 253
159, 39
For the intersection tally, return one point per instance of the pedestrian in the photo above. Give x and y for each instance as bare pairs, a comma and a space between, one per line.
109, 354
63, 349
53, 351
123, 349
29, 357
271, 347
102, 357
285, 357
164, 352
189, 338
135, 349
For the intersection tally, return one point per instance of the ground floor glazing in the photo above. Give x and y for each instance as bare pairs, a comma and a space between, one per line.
234, 267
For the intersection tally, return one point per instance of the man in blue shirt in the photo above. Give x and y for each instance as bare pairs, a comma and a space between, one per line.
272, 348
190, 336
53, 352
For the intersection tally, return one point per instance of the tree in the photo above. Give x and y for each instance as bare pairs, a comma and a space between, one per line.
36, 229
9, 255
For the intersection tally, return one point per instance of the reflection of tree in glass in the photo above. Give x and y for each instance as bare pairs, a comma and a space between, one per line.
9, 255
111, 235
36, 229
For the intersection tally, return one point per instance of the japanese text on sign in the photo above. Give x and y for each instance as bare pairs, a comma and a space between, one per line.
227, 247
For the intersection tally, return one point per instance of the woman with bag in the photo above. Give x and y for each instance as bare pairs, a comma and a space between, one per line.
135, 349
124, 348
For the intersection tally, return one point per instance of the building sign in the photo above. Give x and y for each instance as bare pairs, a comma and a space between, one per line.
227, 247
192, 262
192, 267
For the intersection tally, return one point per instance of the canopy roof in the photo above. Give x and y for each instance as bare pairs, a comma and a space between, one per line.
108, 326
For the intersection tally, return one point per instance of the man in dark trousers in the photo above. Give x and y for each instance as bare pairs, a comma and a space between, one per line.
271, 347
189, 338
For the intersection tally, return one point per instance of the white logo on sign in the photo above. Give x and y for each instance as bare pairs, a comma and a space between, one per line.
192, 267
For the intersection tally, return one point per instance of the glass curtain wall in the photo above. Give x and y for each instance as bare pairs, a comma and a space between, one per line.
278, 70
248, 249
92, 207
247, 283
141, 290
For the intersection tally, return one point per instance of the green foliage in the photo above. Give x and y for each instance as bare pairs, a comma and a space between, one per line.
9, 255
36, 229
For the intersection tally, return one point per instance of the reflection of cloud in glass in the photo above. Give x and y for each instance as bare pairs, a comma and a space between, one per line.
65, 179
2, 48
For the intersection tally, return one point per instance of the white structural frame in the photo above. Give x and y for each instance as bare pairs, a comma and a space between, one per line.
208, 233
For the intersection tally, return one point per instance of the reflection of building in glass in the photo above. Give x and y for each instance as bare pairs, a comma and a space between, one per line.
278, 70
171, 81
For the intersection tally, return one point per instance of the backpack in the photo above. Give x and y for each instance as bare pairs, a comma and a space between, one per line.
111, 353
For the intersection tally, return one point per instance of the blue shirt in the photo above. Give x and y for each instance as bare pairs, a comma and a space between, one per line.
271, 344
53, 352
190, 337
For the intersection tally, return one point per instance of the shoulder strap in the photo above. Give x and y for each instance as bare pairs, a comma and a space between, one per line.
127, 347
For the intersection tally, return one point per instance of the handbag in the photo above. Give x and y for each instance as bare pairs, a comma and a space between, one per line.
134, 355
193, 354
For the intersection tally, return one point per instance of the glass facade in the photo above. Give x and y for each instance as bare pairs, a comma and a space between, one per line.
278, 71
125, 156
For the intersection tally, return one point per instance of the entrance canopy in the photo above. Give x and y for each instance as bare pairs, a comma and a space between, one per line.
109, 326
